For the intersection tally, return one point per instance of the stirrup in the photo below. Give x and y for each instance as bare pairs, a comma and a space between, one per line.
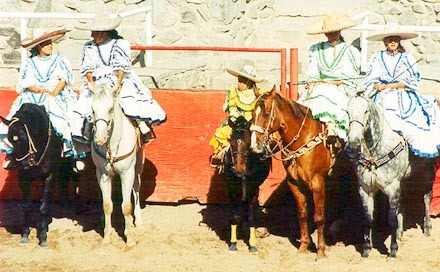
215, 160
148, 137
8, 164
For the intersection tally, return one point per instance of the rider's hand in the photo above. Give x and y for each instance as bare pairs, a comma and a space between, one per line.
117, 88
91, 86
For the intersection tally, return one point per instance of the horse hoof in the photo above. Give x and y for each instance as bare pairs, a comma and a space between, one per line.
24, 240
43, 244
233, 247
365, 254
253, 250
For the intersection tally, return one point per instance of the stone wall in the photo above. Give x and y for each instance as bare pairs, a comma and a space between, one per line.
229, 23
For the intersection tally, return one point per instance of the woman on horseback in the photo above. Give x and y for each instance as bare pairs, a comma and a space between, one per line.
333, 67
45, 79
392, 80
106, 60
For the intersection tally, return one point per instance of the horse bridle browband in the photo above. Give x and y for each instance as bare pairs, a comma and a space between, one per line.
32, 150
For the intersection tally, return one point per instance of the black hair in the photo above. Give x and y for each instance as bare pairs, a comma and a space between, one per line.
114, 34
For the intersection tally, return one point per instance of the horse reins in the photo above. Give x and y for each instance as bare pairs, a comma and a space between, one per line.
284, 149
32, 150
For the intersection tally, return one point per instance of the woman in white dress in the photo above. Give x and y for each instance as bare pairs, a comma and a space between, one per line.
393, 82
333, 67
45, 79
106, 60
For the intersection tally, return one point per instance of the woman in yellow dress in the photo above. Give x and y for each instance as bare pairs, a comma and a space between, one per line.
240, 101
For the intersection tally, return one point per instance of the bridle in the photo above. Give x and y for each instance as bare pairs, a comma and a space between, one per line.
284, 149
369, 161
363, 123
108, 155
32, 150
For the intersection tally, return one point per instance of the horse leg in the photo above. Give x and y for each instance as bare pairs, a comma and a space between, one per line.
394, 202
44, 212
234, 207
301, 204
25, 185
127, 179
136, 199
428, 179
136, 188
251, 215
318, 190
368, 209
105, 184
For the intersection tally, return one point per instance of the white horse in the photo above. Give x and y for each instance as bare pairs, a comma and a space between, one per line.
116, 150
382, 160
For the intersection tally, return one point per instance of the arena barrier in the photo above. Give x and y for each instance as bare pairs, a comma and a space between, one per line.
177, 162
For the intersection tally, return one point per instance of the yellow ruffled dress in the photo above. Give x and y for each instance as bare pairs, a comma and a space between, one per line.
238, 103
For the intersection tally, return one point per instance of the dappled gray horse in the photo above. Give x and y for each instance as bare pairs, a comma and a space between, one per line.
382, 160
116, 150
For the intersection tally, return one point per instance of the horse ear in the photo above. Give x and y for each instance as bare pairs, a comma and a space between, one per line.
273, 91
231, 123
5, 121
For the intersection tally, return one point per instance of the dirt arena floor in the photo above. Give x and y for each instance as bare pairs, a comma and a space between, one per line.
193, 237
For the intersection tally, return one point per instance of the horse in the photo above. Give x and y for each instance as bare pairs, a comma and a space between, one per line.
382, 161
37, 155
243, 172
305, 157
116, 150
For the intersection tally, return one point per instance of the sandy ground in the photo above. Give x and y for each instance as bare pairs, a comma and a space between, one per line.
192, 237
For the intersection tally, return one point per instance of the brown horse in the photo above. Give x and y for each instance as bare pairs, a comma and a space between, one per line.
305, 158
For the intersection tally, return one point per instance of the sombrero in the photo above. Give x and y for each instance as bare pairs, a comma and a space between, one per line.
40, 36
247, 71
331, 23
101, 22
380, 35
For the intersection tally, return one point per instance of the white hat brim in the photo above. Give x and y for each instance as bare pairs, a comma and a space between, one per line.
404, 35
100, 23
318, 27
237, 73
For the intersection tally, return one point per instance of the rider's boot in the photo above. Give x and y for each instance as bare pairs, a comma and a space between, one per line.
147, 132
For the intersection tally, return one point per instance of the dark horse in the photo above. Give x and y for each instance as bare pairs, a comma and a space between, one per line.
37, 155
305, 158
243, 173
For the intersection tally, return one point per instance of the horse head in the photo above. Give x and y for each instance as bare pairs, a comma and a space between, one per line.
359, 113
239, 145
29, 133
102, 106
266, 120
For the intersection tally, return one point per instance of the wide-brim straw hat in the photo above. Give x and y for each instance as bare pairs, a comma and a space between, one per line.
380, 35
41, 36
331, 23
247, 71
101, 22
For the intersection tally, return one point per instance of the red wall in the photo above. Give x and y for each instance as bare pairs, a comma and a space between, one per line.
177, 165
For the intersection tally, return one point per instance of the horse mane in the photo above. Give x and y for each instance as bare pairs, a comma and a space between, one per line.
297, 110
33, 115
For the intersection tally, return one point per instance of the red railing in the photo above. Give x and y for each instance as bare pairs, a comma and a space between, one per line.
292, 92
